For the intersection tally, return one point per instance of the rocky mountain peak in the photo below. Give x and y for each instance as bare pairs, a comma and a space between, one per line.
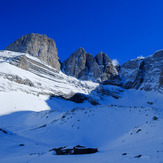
79, 52
141, 73
37, 45
75, 63
84, 66
102, 58
158, 54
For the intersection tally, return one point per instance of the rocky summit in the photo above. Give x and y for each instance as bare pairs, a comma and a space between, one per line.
39, 46
141, 73
84, 66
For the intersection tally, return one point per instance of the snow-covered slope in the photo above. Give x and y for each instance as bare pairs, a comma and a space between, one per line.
126, 126
114, 129
25, 79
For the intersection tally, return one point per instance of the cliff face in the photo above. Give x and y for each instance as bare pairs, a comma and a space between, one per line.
39, 46
84, 66
141, 73
105, 66
75, 63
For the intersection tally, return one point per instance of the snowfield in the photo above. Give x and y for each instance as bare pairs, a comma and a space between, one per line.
126, 126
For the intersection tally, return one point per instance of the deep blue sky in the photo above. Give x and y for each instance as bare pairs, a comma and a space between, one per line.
124, 29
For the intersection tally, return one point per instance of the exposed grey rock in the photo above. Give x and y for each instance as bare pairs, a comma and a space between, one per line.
78, 98
137, 76
102, 91
75, 63
34, 66
106, 66
39, 46
114, 80
153, 72
84, 66
39, 78
91, 70
118, 67
18, 80
161, 79
130, 72
74, 151
141, 73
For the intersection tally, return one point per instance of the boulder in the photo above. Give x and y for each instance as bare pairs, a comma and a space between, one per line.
78, 98
74, 151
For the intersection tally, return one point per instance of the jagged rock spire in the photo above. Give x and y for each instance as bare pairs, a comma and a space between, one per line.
84, 66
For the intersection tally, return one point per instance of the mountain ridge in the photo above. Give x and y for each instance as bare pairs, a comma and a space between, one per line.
134, 73
42, 109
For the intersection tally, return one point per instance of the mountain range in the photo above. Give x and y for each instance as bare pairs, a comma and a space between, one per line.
84, 100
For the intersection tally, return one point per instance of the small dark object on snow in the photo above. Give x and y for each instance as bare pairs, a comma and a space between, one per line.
74, 151
138, 156
42, 126
138, 130
33, 154
63, 116
5, 132
124, 154
155, 118
150, 103
78, 98
21, 145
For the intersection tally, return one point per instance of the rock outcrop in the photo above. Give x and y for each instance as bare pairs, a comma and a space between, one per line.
75, 63
106, 66
22, 72
145, 73
84, 66
141, 73
78, 98
132, 73
74, 151
39, 46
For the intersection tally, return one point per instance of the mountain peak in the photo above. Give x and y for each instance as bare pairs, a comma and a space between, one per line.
78, 52
84, 66
37, 45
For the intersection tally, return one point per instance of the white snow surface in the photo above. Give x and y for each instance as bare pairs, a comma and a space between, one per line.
34, 122
16, 93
